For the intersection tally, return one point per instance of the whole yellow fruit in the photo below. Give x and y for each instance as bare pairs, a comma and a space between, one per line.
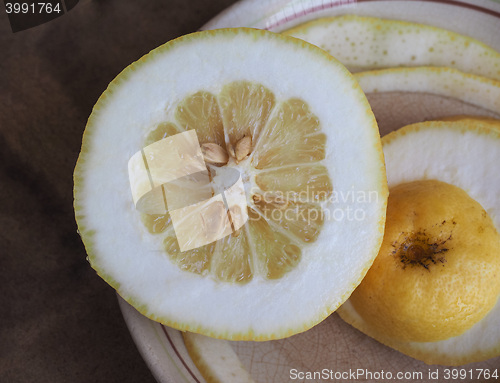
438, 270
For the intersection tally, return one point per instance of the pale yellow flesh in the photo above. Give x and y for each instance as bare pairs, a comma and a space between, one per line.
276, 232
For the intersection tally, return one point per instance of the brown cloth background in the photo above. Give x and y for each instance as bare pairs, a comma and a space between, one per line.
59, 322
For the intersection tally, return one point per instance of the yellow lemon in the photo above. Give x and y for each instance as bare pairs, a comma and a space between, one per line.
433, 291
437, 272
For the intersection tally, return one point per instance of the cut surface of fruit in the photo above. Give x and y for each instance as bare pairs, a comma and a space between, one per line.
301, 138
363, 43
425, 156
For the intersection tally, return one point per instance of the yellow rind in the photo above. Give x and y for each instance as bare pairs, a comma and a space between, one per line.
478, 121
80, 186
463, 125
485, 127
383, 30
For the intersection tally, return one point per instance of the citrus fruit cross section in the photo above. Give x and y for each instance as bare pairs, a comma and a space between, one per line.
278, 163
243, 227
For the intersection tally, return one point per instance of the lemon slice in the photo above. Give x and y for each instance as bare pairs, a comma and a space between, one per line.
446, 172
363, 43
293, 125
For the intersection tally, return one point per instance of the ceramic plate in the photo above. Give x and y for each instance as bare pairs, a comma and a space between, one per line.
332, 344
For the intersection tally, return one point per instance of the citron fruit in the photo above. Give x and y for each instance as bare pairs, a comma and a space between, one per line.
437, 271
364, 43
297, 131
433, 290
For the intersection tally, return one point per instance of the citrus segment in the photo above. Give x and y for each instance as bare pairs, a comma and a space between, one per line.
156, 223
276, 254
310, 182
247, 114
200, 111
163, 130
363, 43
232, 259
245, 108
303, 221
305, 144
195, 260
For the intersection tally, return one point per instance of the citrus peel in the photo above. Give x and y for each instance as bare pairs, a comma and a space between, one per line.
366, 43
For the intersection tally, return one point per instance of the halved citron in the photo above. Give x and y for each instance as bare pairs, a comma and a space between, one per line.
433, 291
363, 43
293, 125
